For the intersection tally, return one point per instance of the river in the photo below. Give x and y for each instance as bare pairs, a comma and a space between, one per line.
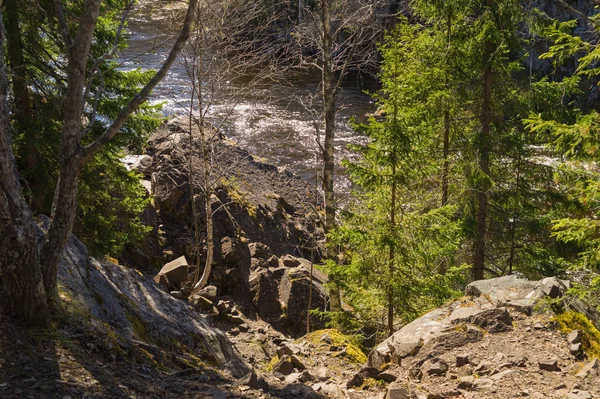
268, 121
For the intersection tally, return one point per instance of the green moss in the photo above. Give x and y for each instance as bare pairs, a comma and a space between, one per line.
353, 351
272, 364
138, 327
590, 339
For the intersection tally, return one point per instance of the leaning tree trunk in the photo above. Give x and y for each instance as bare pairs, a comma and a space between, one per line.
21, 288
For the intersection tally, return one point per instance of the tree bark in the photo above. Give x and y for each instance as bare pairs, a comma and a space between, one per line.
483, 147
36, 177
22, 292
446, 145
392, 249
329, 94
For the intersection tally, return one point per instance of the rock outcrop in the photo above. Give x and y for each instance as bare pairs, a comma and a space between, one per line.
499, 342
137, 310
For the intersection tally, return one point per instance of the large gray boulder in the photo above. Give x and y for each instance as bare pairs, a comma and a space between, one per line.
486, 310
136, 309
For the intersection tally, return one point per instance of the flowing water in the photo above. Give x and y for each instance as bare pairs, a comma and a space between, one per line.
268, 121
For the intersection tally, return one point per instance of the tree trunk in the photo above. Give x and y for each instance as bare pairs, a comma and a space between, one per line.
329, 94
392, 252
22, 292
63, 218
446, 149
483, 147
36, 176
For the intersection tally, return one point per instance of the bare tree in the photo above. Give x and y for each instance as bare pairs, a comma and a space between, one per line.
28, 274
336, 37
225, 58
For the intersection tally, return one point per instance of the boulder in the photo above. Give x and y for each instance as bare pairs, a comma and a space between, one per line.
116, 297
284, 366
259, 250
229, 251
458, 323
397, 391
173, 274
264, 291
294, 292
435, 367
250, 380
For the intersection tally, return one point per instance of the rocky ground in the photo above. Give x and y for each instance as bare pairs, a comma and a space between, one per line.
500, 341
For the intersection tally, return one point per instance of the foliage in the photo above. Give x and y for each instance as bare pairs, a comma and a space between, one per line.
111, 199
575, 137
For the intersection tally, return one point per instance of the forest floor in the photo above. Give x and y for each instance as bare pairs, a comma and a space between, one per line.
65, 363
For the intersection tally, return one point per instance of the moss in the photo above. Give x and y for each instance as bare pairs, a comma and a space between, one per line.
590, 339
149, 358
139, 329
353, 351
272, 364
237, 195
370, 383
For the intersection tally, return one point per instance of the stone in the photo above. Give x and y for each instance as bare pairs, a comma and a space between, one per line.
173, 274
577, 394
438, 368
483, 385
264, 291
323, 374
209, 292
200, 303
576, 349
590, 369
326, 338
289, 261
143, 164
462, 360
386, 377
549, 364
293, 378
552, 287
259, 250
230, 251
466, 382
284, 351
236, 320
223, 307
297, 363
484, 367
284, 366
574, 337
356, 381
492, 320
250, 380
177, 294
397, 391
105, 291
502, 374
273, 261
538, 326
330, 390
294, 291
